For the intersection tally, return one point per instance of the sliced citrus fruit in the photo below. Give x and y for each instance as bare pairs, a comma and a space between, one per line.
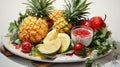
51, 36
50, 48
65, 42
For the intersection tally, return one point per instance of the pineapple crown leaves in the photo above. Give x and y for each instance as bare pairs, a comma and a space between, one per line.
39, 8
75, 9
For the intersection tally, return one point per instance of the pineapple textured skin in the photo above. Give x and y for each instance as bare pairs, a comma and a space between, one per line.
55, 14
33, 29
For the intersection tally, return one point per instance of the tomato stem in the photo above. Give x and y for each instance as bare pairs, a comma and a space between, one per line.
105, 17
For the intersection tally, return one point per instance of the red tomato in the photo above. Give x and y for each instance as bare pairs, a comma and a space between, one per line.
86, 23
77, 46
96, 22
26, 47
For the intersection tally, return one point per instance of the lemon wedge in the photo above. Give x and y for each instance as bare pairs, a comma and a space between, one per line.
49, 48
65, 42
51, 36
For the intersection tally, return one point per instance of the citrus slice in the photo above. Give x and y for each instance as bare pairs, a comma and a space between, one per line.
51, 36
50, 48
65, 42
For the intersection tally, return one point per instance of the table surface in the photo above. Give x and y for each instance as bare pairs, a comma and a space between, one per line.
21, 62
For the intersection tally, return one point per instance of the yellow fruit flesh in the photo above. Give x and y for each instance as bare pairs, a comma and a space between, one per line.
49, 48
51, 36
54, 42
65, 42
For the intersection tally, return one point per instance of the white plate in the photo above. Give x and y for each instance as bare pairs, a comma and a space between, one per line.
60, 59
112, 64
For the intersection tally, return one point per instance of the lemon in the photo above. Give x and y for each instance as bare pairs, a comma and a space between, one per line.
65, 42
51, 36
50, 47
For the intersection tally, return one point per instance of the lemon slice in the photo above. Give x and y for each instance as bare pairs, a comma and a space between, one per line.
51, 36
65, 42
50, 48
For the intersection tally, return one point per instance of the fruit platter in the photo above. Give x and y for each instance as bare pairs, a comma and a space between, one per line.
43, 33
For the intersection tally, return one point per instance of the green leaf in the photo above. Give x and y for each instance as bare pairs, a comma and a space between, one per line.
17, 41
39, 8
103, 31
89, 62
11, 27
81, 52
102, 41
34, 51
75, 9
7, 35
14, 28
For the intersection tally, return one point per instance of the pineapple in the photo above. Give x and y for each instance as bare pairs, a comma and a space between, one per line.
62, 25
59, 21
55, 14
70, 16
34, 27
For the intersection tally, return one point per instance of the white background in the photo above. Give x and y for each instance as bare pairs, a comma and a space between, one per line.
9, 10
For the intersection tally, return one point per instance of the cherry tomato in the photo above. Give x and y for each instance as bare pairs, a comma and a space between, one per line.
77, 46
86, 23
26, 47
96, 22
